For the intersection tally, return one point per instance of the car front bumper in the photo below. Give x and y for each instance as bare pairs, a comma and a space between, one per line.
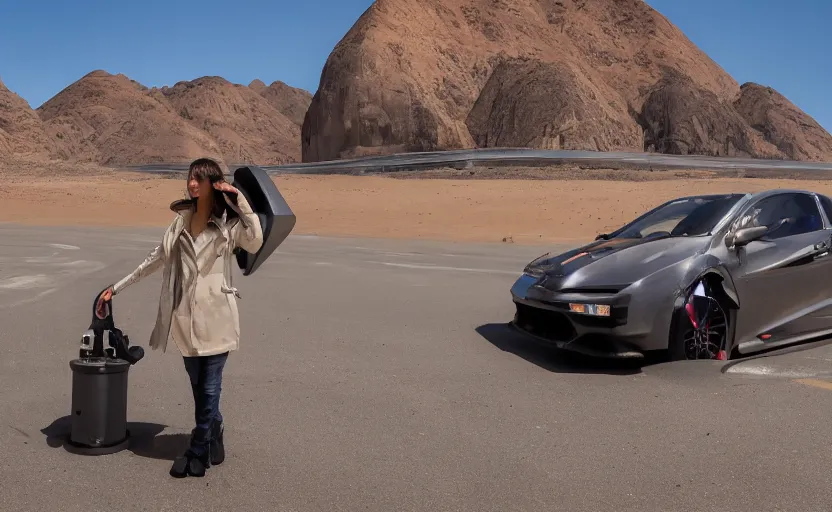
639, 321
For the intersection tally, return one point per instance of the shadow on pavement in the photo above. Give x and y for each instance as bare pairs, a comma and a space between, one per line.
507, 339
773, 353
145, 440
164, 447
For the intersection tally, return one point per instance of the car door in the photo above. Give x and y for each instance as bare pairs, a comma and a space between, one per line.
782, 278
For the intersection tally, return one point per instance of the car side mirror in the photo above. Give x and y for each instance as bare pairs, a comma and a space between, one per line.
745, 236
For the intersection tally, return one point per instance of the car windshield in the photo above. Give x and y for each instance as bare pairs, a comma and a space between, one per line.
694, 216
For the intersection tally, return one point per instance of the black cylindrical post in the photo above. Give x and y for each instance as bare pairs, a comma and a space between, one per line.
99, 406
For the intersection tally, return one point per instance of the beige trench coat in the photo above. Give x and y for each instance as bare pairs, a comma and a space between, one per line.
197, 303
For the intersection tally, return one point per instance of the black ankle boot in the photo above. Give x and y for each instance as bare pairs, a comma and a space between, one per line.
191, 464
217, 445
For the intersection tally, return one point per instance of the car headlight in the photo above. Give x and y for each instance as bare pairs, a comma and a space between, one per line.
590, 309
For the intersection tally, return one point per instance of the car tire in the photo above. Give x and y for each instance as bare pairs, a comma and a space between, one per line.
680, 345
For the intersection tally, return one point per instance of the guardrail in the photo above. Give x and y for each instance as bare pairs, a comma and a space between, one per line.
469, 158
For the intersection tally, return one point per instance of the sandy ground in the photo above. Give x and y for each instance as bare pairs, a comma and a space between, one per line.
568, 206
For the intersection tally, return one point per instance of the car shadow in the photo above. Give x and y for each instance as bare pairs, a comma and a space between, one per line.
146, 439
773, 353
504, 337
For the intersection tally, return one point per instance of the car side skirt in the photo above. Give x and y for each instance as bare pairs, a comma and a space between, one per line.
750, 347
795, 328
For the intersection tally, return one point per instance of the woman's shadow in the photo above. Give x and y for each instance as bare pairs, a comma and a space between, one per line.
146, 439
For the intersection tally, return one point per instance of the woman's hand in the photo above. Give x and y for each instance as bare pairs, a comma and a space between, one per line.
224, 186
105, 296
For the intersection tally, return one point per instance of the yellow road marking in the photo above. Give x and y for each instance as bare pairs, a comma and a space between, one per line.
823, 384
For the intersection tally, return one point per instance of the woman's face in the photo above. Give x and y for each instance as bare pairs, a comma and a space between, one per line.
198, 188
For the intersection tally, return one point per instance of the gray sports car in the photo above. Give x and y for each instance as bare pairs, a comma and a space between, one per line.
701, 277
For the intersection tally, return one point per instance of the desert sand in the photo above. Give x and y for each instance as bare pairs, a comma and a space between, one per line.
522, 211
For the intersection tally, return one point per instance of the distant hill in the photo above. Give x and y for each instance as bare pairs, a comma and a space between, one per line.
556, 74
22, 133
243, 123
289, 101
113, 120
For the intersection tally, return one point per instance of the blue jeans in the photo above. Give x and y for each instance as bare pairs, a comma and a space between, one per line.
206, 382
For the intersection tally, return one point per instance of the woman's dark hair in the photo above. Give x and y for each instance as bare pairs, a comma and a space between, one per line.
207, 169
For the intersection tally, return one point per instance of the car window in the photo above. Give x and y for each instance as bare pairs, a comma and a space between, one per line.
683, 217
784, 215
827, 206
702, 219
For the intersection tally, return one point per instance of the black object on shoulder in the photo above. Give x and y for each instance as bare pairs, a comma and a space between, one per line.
108, 341
276, 218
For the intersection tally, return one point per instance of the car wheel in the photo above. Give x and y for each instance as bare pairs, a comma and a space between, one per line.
700, 330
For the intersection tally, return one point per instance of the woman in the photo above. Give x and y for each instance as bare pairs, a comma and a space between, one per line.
197, 304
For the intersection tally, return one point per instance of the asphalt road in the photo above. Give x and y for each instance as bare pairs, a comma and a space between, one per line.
467, 158
379, 375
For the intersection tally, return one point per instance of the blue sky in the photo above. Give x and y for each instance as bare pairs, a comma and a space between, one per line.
47, 44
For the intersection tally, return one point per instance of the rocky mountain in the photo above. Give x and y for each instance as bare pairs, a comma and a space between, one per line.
244, 124
112, 120
781, 123
22, 133
681, 118
607, 75
572, 74
289, 101
514, 110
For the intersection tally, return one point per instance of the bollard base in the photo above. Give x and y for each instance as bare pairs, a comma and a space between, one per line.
83, 449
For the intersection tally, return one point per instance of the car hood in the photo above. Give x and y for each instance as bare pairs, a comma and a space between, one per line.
614, 264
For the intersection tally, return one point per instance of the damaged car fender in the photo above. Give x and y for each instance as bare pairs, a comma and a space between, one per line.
711, 269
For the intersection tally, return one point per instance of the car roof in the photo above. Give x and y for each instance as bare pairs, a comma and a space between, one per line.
709, 196
752, 195
773, 191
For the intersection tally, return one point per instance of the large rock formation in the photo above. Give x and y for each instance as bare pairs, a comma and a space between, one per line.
529, 103
112, 120
780, 122
22, 133
577, 74
682, 118
247, 128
